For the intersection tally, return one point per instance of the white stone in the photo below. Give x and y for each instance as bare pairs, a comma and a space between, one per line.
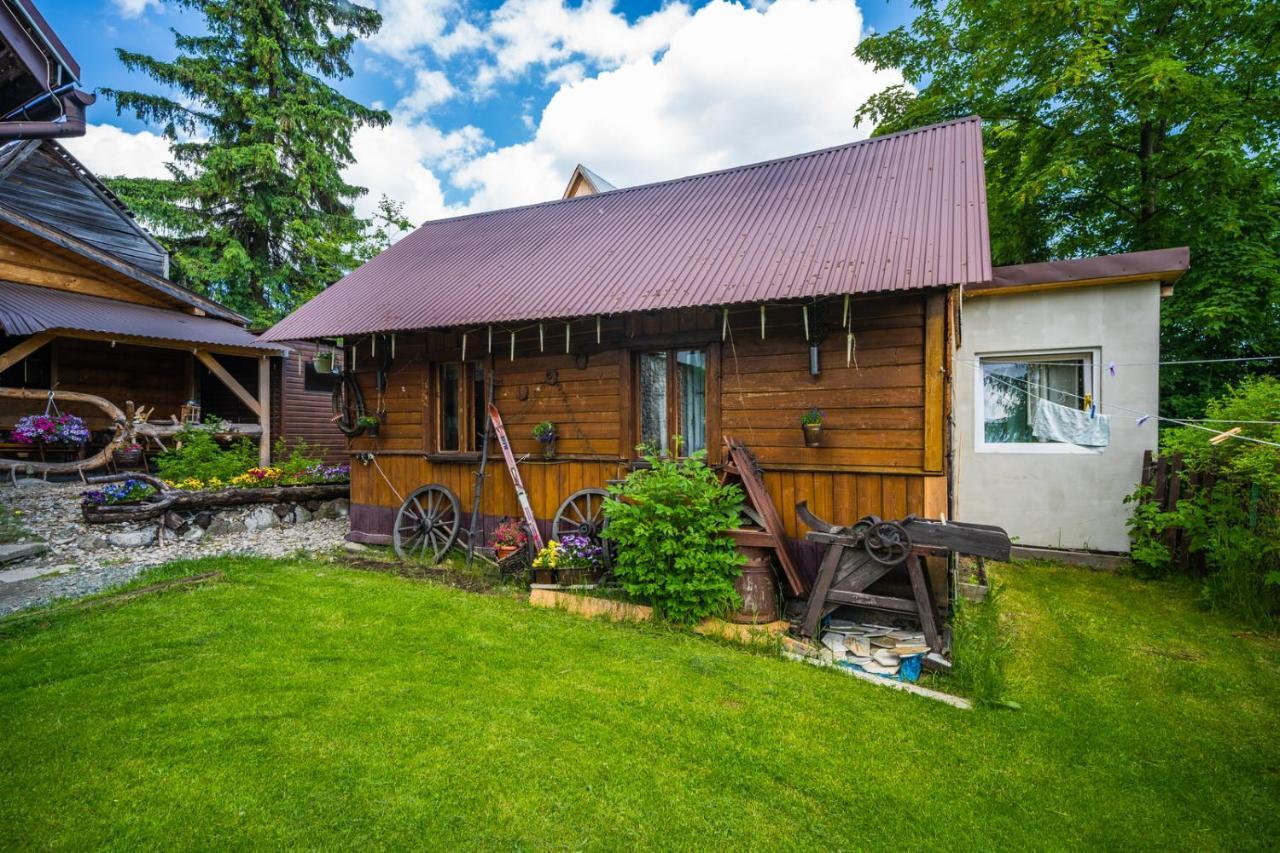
261, 518
132, 538
194, 533
301, 515
354, 547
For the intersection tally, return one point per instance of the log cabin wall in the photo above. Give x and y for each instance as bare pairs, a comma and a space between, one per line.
883, 429
300, 405
145, 375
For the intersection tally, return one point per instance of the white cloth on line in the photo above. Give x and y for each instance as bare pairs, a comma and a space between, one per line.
1070, 426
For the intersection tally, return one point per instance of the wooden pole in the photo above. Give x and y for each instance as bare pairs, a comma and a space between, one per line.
264, 410
216, 368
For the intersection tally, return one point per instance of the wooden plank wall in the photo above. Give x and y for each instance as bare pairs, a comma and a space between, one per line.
147, 376
301, 414
877, 452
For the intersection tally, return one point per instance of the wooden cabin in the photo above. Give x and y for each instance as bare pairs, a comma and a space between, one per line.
715, 305
86, 307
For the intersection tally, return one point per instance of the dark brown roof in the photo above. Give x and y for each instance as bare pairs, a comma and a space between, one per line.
1154, 265
898, 212
26, 310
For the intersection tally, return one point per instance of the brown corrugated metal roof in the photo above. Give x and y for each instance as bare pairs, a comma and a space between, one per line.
26, 310
1154, 264
897, 212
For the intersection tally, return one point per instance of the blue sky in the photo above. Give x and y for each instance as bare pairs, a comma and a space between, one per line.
493, 102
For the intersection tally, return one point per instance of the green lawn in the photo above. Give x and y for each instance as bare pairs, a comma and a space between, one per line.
301, 704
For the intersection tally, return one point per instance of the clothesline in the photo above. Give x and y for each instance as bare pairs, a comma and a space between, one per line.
1142, 416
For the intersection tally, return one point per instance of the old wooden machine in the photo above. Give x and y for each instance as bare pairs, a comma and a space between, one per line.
860, 554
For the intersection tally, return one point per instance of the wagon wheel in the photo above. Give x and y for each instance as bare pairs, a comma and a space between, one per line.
427, 524
582, 514
887, 543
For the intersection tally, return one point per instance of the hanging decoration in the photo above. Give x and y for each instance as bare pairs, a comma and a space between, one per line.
373, 346
566, 338
464, 346
848, 349
513, 345
846, 311
393, 346
762, 322
724, 325
491, 340
804, 309
541, 342
597, 330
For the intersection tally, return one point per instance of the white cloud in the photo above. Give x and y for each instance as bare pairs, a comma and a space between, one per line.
109, 151
546, 32
429, 89
736, 85
408, 25
399, 161
135, 8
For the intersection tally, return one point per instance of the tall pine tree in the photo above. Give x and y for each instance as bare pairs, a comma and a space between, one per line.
1119, 126
257, 214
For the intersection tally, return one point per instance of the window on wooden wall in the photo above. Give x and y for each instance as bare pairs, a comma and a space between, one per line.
672, 400
460, 407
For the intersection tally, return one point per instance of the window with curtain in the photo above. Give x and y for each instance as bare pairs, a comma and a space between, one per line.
672, 400
1013, 386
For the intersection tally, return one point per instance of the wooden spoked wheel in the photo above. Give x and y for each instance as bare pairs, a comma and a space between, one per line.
427, 524
582, 514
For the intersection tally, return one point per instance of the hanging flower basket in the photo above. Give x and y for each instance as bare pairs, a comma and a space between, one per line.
56, 430
322, 361
127, 456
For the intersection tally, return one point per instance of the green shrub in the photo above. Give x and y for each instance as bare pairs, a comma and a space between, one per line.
295, 462
667, 521
979, 648
196, 455
1235, 525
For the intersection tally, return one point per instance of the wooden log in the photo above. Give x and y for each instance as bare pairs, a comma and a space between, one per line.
179, 499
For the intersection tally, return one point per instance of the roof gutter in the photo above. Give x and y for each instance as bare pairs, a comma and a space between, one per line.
71, 124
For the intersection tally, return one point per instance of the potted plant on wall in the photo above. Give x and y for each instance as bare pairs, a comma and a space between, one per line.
370, 424
508, 539
545, 432
322, 361
811, 423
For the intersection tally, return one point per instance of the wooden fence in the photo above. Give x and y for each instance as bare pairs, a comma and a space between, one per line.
1170, 482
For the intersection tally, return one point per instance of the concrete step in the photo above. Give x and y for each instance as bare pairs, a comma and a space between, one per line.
14, 551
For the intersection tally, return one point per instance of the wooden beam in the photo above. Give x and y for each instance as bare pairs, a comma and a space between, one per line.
167, 343
934, 370
230, 381
25, 348
264, 410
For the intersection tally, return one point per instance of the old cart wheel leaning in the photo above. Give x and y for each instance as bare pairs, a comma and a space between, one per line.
582, 514
427, 524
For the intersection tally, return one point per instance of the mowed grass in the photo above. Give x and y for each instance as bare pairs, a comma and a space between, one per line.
299, 704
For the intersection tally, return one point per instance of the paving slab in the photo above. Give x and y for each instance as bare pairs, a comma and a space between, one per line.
15, 551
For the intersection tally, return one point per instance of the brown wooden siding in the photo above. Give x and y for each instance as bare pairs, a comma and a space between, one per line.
299, 413
882, 432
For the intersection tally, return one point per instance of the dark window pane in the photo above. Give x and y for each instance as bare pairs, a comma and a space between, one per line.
653, 401
691, 381
320, 383
479, 416
449, 375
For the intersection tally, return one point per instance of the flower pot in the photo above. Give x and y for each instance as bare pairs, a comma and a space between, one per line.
372, 430
502, 552
322, 362
548, 449
573, 577
125, 458
812, 435
544, 576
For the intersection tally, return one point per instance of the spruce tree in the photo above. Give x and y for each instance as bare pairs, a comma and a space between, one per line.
257, 214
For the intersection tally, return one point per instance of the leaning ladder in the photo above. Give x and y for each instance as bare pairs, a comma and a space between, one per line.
521, 495
478, 492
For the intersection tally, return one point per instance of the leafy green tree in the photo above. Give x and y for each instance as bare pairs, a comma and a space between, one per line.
257, 213
1114, 126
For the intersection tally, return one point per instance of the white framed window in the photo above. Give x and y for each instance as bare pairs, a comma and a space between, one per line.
1008, 388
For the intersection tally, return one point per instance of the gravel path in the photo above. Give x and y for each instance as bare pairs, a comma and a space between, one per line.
81, 562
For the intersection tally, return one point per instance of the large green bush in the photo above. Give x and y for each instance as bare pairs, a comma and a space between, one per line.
667, 521
1235, 525
196, 455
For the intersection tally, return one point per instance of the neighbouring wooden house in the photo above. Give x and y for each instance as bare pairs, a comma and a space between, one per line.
724, 304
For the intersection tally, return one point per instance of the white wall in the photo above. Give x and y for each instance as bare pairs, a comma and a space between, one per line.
1063, 497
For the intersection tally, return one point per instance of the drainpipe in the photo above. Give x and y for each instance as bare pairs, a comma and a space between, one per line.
71, 124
